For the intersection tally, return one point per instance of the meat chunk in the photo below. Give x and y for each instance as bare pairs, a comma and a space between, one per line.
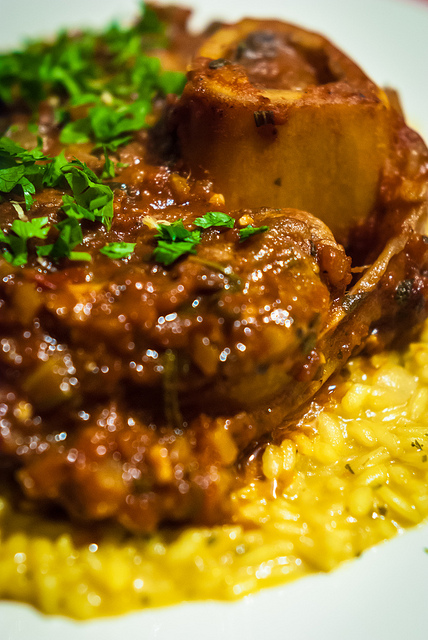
130, 389
124, 382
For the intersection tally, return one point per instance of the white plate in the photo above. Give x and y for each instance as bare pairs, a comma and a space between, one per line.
383, 595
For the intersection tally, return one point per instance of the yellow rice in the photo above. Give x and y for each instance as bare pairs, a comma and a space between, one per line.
350, 477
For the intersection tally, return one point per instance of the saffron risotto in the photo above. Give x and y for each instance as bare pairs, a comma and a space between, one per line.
353, 474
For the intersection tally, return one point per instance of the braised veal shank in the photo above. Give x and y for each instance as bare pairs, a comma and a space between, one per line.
131, 389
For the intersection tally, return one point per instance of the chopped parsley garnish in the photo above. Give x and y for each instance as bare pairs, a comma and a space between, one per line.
78, 66
174, 241
171, 82
89, 199
16, 240
19, 171
176, 232
110, 72
168, 252
109, 170
118, 250
110, 80
53, 175
249, 231
70, 235
92, 199
214, 219
107, 126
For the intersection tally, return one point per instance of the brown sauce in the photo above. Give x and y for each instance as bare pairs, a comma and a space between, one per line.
136, 391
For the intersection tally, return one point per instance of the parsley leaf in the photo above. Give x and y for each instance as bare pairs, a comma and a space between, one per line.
63, 67
118, 250
13, 150
174, 241
16, 240
169, 252
74, 210
214, 219
108, 71
35, 228
109, 170
53, 175
18, 168
249, 231
176, 231
171, 82
76, 132
70, 235
90, 199
108, 125
93, 200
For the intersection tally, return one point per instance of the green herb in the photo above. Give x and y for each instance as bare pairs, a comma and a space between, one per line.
31, 75
77, 67
76, 132
110, 72
168, 252
349, 468
18, 168
176, 231
124, 43
174, 241
112, 125
13, 150
249, 231
109, 170
118, 250
214, 219
16, 240
107, 125
92, 199
171, 82
418, 446
70, 235
53, 174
